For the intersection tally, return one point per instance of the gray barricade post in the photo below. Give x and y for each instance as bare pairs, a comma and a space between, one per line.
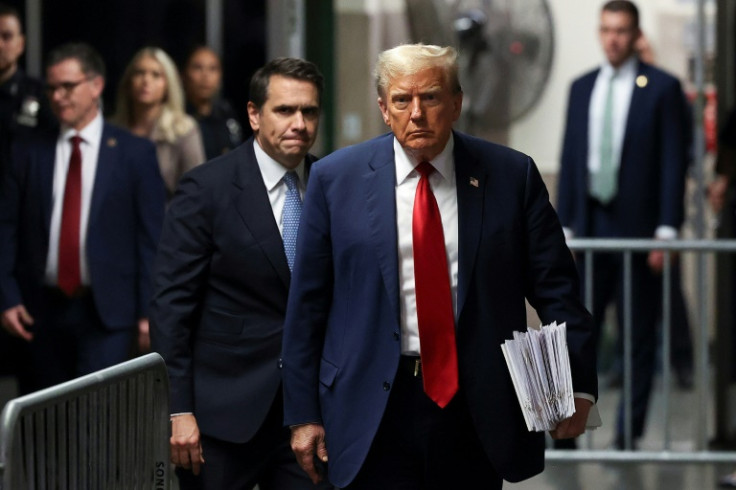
108, 429
626, 247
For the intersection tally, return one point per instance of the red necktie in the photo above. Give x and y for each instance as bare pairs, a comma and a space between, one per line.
69, 274
434, 297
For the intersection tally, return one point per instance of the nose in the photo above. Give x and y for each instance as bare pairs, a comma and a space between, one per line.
298, 122
416, 109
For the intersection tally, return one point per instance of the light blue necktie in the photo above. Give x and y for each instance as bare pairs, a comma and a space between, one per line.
604, 183
290, 217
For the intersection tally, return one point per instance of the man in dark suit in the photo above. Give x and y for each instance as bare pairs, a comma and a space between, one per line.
221, 281
24, 110
79, 221
623, 175
392, 359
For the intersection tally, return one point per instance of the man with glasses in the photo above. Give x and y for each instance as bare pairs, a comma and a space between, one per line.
80, 216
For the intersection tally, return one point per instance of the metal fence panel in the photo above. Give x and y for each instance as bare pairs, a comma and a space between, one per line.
108, 429
587, 248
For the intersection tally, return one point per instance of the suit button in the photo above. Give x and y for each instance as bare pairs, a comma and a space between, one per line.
396, 335
386, 386
280, 363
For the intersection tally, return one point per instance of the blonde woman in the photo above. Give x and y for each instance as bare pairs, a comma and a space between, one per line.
150, 103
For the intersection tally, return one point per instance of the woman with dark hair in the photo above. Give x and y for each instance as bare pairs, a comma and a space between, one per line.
202, 75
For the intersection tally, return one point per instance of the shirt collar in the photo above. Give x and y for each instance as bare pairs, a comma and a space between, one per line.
627, 68
271, 170
442, 163
91, 133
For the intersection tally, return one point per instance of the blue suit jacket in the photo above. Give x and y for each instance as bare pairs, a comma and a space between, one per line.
653, 158
221, 280
342, 333
125, 219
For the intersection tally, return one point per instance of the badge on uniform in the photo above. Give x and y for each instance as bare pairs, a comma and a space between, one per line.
28, 114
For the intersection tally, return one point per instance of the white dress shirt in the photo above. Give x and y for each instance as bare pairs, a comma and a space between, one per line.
90, 147
273, 173
442, 182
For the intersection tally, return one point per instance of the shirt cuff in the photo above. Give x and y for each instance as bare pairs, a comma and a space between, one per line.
569, 234
665, 232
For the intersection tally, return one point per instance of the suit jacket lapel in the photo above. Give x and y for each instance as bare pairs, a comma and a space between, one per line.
380, 183
252, 204
107, 161
634, 108
470, 180
46, 156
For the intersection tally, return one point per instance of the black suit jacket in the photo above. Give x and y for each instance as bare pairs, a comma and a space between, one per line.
651, 178
221, 281
125, 219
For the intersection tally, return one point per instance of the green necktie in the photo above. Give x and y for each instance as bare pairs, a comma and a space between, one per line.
604, 182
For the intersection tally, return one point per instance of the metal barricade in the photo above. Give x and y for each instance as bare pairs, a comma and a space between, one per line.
106, 430
627, 247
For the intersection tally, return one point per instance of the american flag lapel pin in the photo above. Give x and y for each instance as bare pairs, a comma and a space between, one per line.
473, 181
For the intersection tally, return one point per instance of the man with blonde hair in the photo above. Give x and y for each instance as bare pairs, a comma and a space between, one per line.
415, 254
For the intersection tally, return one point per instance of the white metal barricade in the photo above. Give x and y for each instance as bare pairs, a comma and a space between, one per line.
106, 430
586, 248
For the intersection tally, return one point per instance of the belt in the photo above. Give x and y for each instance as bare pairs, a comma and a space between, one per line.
411, 365
56, 293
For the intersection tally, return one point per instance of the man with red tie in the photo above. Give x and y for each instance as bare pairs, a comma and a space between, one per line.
80, 217
415, 254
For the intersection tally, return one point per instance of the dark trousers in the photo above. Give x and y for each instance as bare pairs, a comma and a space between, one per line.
266, 460
420, 446
70, 340
15, 361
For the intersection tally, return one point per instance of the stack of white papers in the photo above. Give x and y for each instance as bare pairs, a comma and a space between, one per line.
540, 370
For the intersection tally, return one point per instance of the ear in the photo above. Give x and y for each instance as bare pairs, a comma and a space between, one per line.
98, 85
384, 111
254, 117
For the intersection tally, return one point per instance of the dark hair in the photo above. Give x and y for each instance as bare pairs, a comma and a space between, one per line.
89, 59
286, 67
9, 11
623, 6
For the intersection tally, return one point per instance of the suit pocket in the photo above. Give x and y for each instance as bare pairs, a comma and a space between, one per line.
327, 373
218, 322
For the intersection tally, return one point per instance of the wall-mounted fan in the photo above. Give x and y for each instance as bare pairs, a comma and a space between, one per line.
506, 51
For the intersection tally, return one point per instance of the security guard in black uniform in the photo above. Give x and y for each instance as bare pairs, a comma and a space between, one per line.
202, 76
23, 105
23, 109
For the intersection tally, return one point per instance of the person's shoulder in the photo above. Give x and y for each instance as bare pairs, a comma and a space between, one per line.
586, 78
30, 85
224, 165
658, 76
348, 158
113, 136
486, 150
